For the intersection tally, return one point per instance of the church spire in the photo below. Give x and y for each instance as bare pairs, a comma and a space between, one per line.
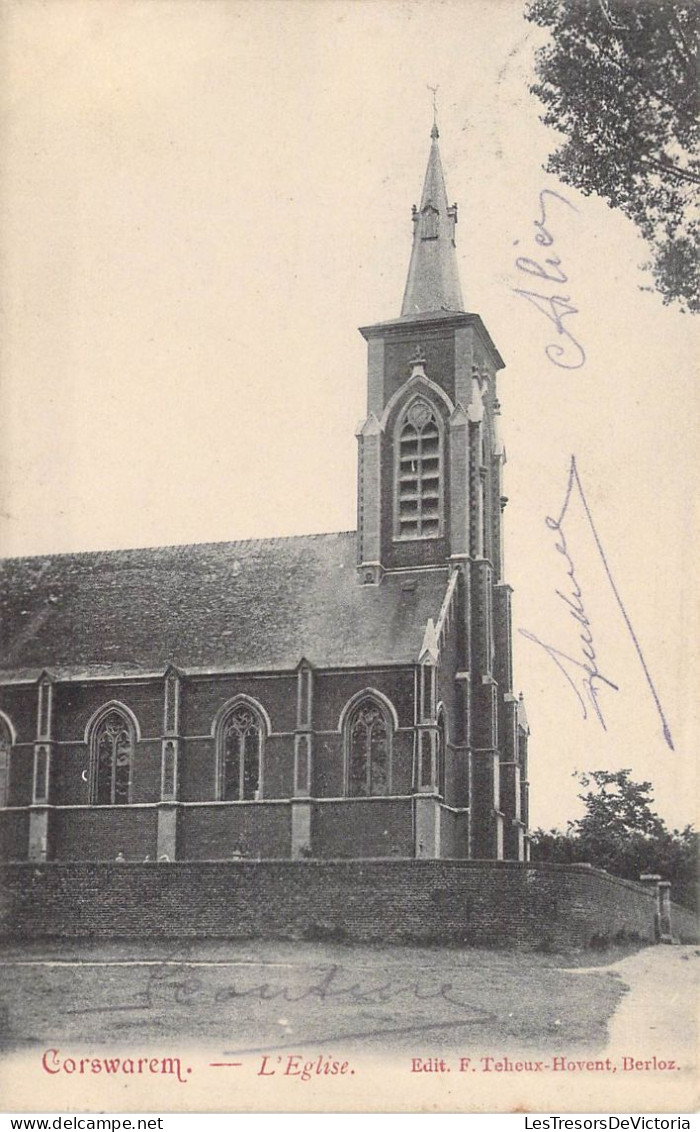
433, 279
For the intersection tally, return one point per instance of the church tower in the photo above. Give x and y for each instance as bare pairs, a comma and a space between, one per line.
430, 496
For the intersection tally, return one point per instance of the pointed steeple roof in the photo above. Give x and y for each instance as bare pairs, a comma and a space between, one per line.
433, 278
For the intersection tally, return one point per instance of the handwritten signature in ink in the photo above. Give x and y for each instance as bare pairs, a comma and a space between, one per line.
584, 675
177, 981
567, 353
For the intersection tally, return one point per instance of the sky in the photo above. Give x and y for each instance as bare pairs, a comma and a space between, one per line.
200, 203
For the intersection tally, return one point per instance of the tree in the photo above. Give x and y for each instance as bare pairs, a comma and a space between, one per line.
620, 832
619, 79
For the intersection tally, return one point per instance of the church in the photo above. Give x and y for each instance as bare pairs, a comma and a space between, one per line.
327, 696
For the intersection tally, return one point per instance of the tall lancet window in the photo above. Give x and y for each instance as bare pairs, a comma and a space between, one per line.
240, 751
5, 749
441, 751
368, 739
419, 473
112, 756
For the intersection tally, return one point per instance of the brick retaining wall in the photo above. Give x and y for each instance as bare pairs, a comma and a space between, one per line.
480, 903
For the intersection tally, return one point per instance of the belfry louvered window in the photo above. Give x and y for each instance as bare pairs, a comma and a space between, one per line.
419, 473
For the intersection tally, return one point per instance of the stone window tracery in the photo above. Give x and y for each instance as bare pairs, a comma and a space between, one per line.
112, 758
368, 750
240, 755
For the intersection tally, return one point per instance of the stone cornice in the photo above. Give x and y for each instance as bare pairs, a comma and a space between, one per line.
407, 326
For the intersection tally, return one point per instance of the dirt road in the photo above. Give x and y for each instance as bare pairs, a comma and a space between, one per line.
255, 1025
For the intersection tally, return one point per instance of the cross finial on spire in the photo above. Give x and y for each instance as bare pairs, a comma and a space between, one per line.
434, 133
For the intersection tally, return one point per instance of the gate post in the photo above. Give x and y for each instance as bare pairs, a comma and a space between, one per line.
651, 882
665, 911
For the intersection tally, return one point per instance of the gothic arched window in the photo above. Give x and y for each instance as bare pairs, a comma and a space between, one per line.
5, 750
368, 738
419, 472
441, 751
112, 753
240, 755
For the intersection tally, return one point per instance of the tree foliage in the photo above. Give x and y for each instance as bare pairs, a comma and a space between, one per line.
619, 79
620, 832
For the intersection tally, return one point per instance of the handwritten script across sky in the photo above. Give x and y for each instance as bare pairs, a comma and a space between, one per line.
581, 671
566, 352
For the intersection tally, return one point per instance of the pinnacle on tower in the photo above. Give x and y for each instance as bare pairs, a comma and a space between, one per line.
433, 278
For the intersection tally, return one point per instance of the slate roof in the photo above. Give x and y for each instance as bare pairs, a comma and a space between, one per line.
433, 276
258, 605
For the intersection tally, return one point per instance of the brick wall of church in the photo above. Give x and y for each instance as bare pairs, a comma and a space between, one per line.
18, 702
375, 827
98, 833
370, 829
74, 704
476, 903
201, 698
438, 349
21, 776
78, 831
332, 690
454, 833
14, 835
216, 832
